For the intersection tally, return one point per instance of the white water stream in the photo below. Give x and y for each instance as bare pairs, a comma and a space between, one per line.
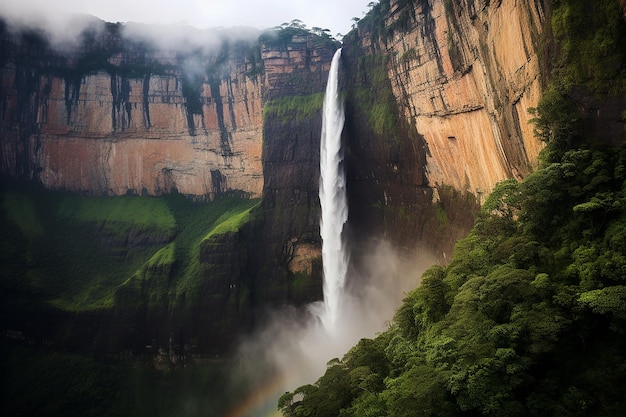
333, 200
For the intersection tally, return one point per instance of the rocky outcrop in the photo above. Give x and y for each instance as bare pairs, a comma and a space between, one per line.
116, 117
297, 68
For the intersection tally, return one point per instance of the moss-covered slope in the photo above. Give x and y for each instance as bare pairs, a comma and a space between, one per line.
142, 257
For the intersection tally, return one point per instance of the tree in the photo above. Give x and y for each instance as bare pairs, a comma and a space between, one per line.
297, 23
504, 200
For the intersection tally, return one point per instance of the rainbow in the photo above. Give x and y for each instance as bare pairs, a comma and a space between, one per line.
271, 390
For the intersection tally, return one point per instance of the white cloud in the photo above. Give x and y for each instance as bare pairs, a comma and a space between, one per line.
328, 14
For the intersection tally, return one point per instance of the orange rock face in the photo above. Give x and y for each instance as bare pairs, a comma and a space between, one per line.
464, 73
467, 76
144, 145
110, 132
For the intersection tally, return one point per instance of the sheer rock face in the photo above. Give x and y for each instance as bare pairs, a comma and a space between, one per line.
462, 75
120, 118
295, 80
475, 119
465, 73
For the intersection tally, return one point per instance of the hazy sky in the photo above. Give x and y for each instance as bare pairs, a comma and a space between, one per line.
335, 15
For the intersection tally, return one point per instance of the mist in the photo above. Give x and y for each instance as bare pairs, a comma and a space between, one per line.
185, 38
65, 33
293, 348
262, 14
61, 31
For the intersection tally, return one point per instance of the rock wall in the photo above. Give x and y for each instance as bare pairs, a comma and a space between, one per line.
468, 84
288, 256
115, 116
120, 117
458, 78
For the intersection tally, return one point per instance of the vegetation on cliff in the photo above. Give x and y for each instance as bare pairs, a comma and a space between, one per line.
75, 252
281, 36
303, 107
528, 318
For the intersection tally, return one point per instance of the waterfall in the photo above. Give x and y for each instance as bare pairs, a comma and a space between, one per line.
333, 200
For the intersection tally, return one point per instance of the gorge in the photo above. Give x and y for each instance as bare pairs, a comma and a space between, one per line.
158, 199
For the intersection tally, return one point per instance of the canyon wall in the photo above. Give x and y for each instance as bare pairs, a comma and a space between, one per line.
113, 116
288, 254
458, 78
116, 116
468, 85
239, 117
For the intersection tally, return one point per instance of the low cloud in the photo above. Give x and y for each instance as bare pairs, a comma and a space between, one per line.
184, 37
53, 16
66, 33
60, 30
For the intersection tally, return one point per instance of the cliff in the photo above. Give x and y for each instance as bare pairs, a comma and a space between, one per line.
126, 117
113, 115
297, 68
437, 96
453, 82
468, 86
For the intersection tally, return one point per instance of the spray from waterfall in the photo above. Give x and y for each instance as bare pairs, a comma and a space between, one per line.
333, 200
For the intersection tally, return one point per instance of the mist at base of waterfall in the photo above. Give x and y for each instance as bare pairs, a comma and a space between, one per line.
293, 346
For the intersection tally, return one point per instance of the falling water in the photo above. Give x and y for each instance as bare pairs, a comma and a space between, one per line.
333, 199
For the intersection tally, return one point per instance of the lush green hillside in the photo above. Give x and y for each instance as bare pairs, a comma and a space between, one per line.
528, 318
74, 252
67, 253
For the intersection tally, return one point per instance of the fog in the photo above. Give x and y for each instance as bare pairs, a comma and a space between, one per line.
62, 32
293, 348
55, 17
67, 33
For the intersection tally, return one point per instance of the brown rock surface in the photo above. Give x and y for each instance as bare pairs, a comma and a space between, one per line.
466, 74
114, 129
451, 83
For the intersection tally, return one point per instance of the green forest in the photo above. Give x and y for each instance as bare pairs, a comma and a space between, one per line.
529, 317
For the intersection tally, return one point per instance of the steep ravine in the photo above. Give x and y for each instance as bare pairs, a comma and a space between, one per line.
436, 113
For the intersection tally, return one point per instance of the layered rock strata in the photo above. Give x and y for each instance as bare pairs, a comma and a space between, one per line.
453, 83
119, 117
466, 73
296, 76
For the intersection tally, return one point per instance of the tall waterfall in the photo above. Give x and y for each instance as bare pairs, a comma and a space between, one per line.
333, 200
